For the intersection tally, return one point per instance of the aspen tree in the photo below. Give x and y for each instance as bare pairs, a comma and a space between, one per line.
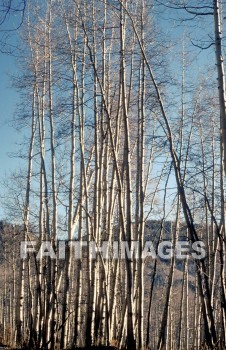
20, 293
130, 334
210, 329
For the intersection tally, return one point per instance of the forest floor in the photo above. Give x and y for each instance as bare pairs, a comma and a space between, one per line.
92, 348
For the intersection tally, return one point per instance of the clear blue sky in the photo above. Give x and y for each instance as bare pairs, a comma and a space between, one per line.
8, 136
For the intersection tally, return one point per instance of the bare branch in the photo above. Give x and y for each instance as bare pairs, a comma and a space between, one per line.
202, 47
193, 10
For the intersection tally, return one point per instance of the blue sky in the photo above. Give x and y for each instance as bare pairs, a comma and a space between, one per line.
9, 97
8, 135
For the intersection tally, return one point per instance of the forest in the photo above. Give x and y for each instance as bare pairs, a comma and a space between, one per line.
115, 234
